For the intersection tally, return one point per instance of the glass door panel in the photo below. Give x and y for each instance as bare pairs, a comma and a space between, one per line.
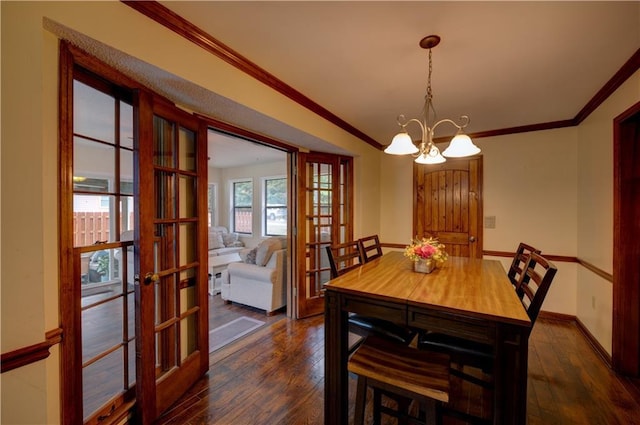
323, 218
103, 255
175, 277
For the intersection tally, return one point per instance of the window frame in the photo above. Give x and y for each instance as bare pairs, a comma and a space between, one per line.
232, 203
265, 207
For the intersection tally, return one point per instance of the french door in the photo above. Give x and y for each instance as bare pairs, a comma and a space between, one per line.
447, 204
133, 220
325, 214
171, 284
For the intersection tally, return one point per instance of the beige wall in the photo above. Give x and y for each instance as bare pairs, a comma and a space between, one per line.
552, 189
383, 184
595, 210
531, 193
29, 164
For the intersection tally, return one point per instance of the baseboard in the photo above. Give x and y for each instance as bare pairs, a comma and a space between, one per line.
597, 347
550, 315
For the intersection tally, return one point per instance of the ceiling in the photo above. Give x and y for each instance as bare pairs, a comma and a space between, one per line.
223, 152
505, 64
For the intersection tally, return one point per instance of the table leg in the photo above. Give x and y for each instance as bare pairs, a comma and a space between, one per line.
336, 384
511, 373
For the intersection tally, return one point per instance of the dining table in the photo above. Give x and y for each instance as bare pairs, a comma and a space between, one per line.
471, 298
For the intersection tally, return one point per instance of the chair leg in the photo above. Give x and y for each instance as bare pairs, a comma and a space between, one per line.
361, 397
403, 410
431, 416
377, 403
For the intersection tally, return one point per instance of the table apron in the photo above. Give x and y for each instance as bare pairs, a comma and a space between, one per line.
393, 312
457, 325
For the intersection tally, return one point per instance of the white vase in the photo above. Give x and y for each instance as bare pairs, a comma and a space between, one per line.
424, 265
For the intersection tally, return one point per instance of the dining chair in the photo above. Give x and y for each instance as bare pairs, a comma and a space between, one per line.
519, 261
370, 248
532, 288
343, 258
403, 373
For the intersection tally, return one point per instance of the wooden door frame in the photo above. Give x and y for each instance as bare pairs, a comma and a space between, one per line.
626, 242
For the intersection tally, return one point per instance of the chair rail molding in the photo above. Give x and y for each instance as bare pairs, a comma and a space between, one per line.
32, 353
559, 258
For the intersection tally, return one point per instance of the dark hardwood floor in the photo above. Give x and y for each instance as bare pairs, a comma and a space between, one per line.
276, 376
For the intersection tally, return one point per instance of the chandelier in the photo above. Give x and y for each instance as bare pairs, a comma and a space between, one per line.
428, 153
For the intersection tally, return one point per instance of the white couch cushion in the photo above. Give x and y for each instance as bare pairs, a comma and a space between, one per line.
267, 247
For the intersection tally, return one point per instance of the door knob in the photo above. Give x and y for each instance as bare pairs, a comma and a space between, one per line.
472, 238
151, 278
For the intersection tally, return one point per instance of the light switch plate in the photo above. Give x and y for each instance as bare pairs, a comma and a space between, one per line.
490, 222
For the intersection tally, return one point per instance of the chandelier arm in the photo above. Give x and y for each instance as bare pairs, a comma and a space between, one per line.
463, 118
403, 122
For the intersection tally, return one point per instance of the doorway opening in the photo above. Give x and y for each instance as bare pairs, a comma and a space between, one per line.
249, 204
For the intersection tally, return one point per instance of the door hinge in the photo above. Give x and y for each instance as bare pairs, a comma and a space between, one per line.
295, 291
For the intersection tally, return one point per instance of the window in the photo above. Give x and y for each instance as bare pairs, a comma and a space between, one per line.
275, 212
242, 192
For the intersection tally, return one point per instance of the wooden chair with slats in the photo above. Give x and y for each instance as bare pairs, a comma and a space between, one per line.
343, 258
519, 260
404, 373
532, 288
370, 248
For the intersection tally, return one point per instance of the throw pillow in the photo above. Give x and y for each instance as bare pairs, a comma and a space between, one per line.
215, 240
251, 256
268, 247
229, 239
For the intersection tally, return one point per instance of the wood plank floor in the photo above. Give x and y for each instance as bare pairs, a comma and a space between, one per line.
276, 376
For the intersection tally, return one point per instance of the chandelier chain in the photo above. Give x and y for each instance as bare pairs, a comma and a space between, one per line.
429, 91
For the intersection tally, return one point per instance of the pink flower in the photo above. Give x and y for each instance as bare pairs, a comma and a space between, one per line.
425, 251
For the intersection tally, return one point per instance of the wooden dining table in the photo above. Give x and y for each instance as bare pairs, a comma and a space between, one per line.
467, 297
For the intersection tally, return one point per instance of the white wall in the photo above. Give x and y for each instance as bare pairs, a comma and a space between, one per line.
256, 173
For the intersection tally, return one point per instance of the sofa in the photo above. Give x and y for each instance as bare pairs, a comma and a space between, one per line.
222, 242
260, 281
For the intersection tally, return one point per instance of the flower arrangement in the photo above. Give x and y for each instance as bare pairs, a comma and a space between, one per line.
425, 249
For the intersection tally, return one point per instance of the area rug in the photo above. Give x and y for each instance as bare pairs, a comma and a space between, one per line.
229, 332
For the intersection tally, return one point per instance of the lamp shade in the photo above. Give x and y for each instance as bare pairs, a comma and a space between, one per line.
401, 145
431, 157
460, 146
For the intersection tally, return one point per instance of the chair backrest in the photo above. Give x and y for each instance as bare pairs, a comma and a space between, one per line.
343, 258
370, 248
534, 283
519, 261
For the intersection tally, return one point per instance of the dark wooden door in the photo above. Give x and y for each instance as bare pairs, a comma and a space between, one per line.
171, 290
447, 204
626, 243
